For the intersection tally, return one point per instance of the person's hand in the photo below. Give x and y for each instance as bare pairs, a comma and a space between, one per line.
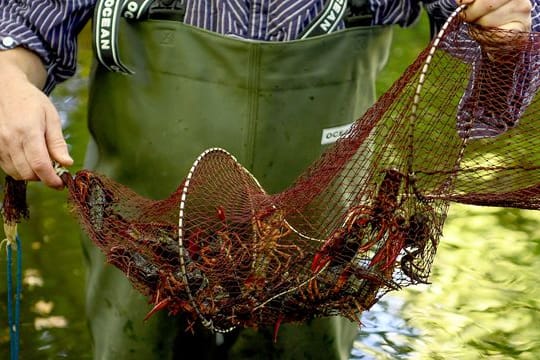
30, 129
502, 14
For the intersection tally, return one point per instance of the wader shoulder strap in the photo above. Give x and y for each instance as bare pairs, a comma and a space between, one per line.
327, 20
108, 13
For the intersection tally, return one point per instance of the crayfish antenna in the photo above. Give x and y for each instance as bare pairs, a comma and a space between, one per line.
159, 306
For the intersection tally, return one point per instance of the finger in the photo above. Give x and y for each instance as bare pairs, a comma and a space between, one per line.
478, 8
22, 167
37, 157
504, 14
9, 144
9, 168
54, 138
18, 159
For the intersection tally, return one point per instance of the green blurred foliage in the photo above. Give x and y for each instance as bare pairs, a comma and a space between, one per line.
406, 45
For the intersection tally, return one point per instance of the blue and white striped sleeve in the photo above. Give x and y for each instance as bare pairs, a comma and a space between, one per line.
406, 12
47, 27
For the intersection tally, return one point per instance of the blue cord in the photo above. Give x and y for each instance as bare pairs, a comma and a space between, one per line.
14, 318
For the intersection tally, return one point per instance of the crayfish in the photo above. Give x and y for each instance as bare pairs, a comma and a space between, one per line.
379, 223
418, 237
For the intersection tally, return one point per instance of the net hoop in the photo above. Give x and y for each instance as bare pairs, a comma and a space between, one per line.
421, 80
208, 323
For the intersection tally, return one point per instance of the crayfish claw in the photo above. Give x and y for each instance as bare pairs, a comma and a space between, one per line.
317, 263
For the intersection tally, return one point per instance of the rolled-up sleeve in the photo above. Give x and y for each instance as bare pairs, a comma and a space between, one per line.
47, 27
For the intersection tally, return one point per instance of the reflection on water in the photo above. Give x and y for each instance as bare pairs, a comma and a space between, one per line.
485, 296
483, 301
384, 334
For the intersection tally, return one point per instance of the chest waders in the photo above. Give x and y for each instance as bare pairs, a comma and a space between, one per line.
269, 104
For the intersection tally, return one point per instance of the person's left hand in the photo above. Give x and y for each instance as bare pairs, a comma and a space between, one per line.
502, 14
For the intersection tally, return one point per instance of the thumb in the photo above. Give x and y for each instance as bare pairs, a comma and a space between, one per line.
58, 149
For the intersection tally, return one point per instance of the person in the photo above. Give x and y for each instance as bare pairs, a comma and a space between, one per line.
263, 100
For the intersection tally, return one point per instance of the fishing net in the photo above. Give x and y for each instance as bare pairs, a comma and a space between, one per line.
460, 125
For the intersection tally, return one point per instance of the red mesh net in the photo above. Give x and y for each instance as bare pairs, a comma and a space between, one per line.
460, 125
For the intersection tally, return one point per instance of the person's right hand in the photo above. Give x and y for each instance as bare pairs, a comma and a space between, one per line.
30, 128
502, 14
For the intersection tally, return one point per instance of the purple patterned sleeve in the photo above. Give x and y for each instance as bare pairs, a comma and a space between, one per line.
535, 15
47, 27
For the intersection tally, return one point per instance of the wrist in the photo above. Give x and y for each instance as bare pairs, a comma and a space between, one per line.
25, 63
